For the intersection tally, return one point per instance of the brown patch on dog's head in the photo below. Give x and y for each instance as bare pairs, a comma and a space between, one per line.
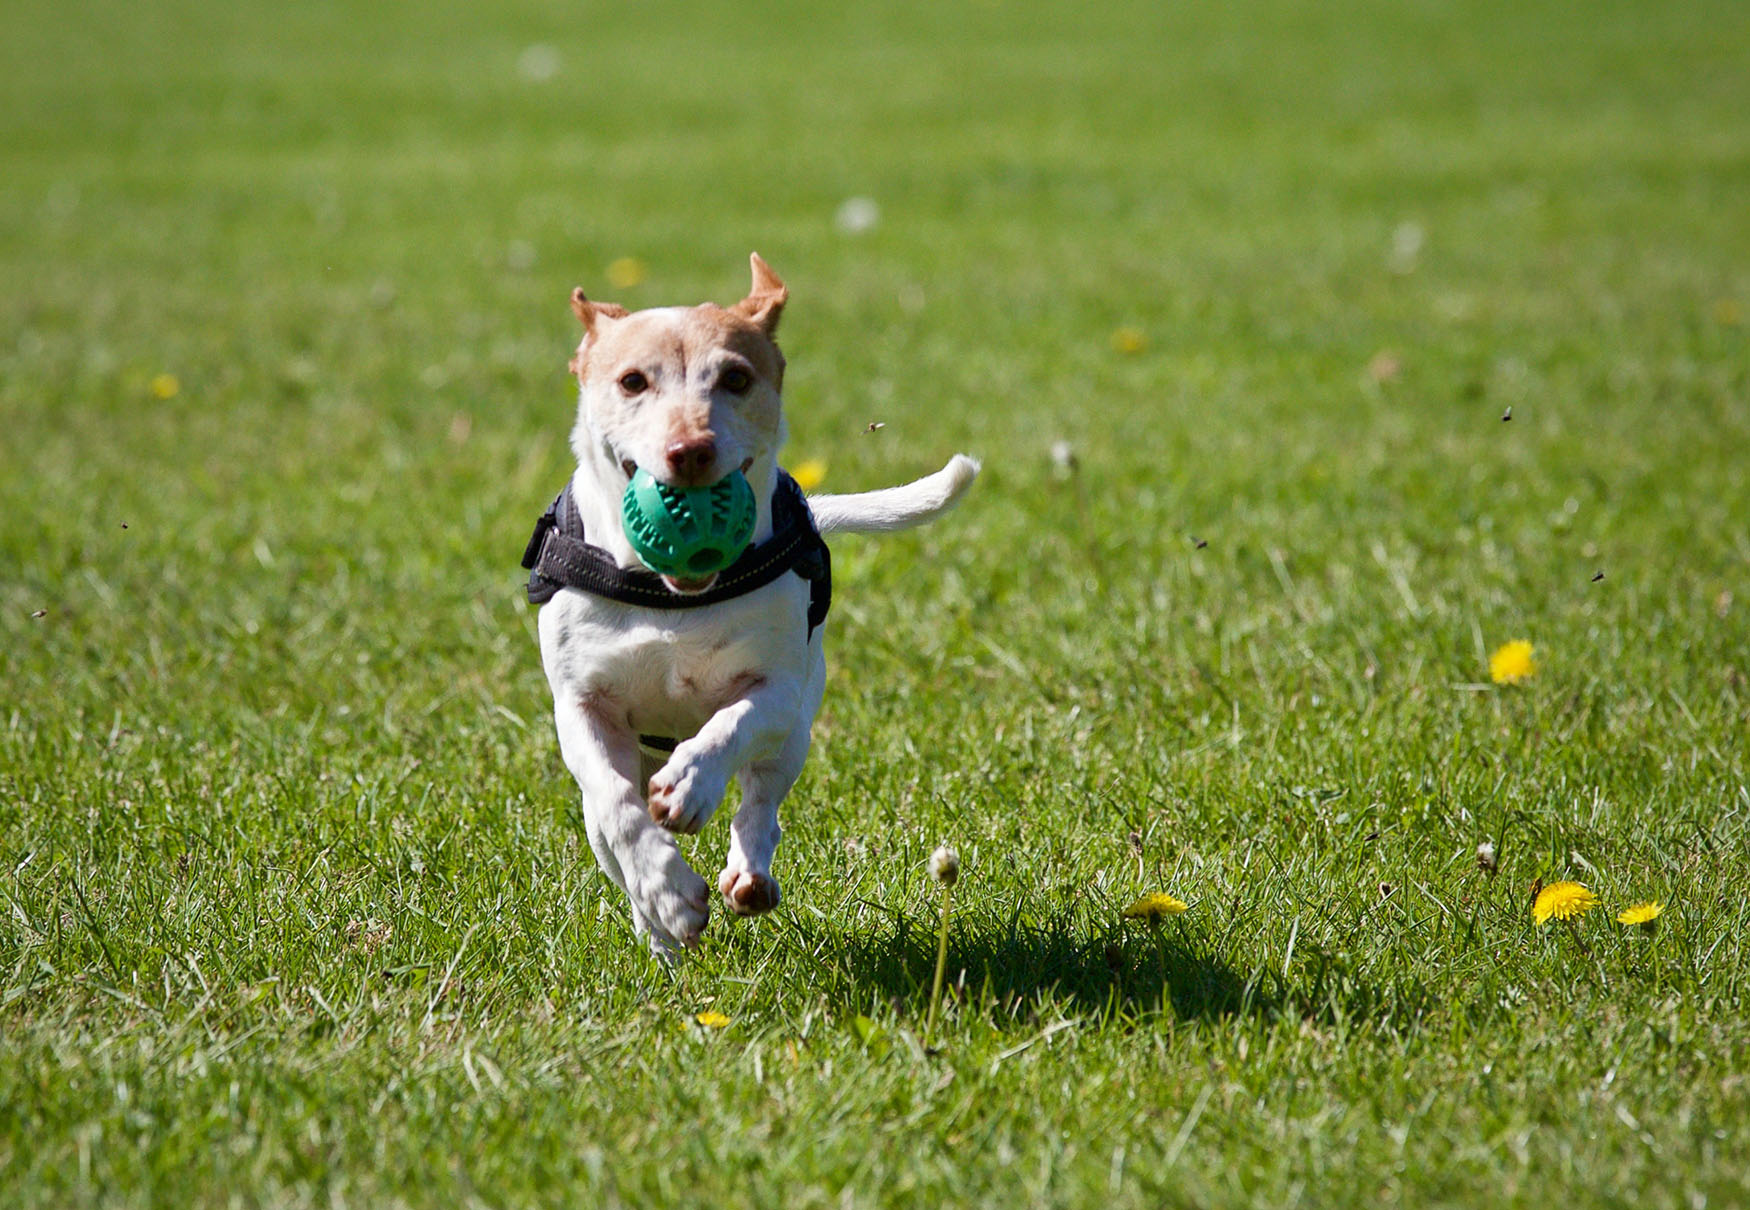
741, 334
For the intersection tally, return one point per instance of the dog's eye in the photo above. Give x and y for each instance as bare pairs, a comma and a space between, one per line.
736, 380
634, 383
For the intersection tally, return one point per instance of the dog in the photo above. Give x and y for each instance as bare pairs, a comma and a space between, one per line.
664, 687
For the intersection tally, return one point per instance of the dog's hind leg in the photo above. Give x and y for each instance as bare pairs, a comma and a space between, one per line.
670, 902
746, 882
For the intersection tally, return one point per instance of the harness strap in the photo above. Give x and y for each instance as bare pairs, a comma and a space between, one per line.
559, 556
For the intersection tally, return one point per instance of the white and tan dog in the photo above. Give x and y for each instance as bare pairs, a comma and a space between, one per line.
691, 394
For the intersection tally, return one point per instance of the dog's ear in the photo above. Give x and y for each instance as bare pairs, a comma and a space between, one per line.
588, 312
765, 302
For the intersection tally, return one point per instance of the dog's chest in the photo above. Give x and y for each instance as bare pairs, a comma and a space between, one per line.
664, 673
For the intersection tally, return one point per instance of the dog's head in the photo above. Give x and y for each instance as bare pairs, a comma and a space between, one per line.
689, 394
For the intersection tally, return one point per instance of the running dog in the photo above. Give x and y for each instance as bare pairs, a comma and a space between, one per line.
665, 687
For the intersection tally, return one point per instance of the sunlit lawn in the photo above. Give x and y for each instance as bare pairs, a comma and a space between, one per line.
1368, 339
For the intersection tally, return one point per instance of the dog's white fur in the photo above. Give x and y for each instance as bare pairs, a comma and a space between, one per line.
691, 394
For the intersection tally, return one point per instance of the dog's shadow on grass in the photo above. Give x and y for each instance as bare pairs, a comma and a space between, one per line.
1069, 963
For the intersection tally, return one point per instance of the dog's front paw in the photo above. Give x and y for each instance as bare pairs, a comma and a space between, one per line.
683, 795
747, 893
672, 902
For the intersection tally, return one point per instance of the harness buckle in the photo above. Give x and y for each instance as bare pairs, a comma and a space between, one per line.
538, 540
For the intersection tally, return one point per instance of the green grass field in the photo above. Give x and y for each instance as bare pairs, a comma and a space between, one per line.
296, 910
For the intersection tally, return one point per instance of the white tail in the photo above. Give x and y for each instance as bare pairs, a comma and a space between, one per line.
896, 507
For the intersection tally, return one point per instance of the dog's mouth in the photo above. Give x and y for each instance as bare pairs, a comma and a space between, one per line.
629, 467
685, 586
688, 588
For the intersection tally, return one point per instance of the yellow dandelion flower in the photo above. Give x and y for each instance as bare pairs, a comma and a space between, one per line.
712, 1020
1512, 662
1129, 340
1562, 901
1640, 913
165, 386
809, 474
627, 272
1154, 907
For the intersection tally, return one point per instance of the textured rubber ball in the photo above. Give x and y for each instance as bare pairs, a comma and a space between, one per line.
688, 532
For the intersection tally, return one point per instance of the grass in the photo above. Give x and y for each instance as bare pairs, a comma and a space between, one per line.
296, 911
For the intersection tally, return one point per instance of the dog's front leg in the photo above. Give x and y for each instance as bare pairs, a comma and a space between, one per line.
670, 902
685, 792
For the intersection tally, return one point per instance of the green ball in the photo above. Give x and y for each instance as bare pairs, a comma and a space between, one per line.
688, 532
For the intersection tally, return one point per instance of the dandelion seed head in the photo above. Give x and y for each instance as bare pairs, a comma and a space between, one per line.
945, 866
857, 215
538, 62
1407, 239
1063, 459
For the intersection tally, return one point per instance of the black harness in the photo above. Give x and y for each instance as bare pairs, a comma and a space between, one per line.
559, 556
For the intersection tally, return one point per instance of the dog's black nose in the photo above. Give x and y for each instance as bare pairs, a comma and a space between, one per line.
690, 461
